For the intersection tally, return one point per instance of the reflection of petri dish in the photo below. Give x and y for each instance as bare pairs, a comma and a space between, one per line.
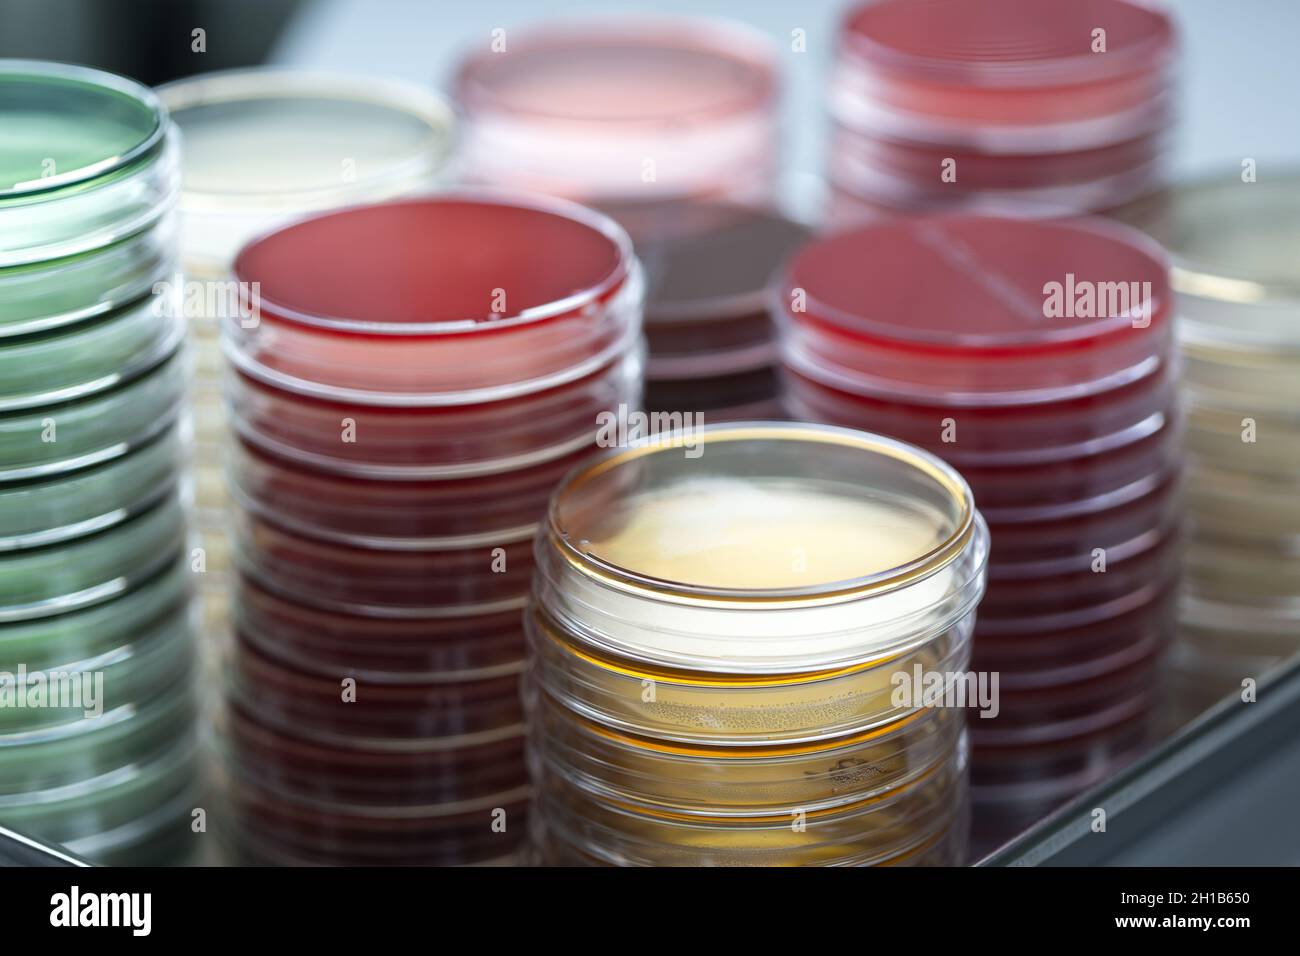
439, 301
261, 146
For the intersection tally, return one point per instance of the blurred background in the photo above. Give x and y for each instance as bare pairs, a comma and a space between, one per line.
1239, 58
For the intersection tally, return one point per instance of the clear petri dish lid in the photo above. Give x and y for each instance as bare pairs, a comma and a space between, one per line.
264, 145
769, 547
979, 310
1009, 44
86, 160
449, 300
1234, 262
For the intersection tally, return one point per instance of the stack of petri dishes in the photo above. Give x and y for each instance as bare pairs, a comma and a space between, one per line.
97, 747
261, 148
1237, 277
711, 339
724, 636
419, 378
670, 126
1037, 358
1004, 107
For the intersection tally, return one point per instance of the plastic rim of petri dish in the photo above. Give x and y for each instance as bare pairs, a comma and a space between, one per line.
959, 309
85, 359
1014, 75
574, 108
736, 615
458, 299
52, 294
94, 430
42, 582
87, 160
264, 145
1234, 268
37, 513
97, 630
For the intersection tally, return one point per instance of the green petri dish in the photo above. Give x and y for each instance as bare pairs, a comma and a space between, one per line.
42, 758
46, 643
46, 511
63, 577
87, 159
123, 797
87, 358
38, 443
55, 293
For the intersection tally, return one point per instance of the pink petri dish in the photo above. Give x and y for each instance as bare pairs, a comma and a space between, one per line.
1022, 74
630, 110
1008, 107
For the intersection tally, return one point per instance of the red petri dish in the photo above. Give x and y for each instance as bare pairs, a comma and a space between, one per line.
407, 582
285, 829
441, 301
1024, 69
963, 310
311, 703
430, 442
575, 109
441, 770
447, 513
378, 649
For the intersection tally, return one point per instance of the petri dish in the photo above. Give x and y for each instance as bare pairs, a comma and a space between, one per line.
88, 160
263, 146
452, 300
61, 577
574, 109
739, 582
36, 513
87, 358
56, 293
1016, 74
38, 443
972, 310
